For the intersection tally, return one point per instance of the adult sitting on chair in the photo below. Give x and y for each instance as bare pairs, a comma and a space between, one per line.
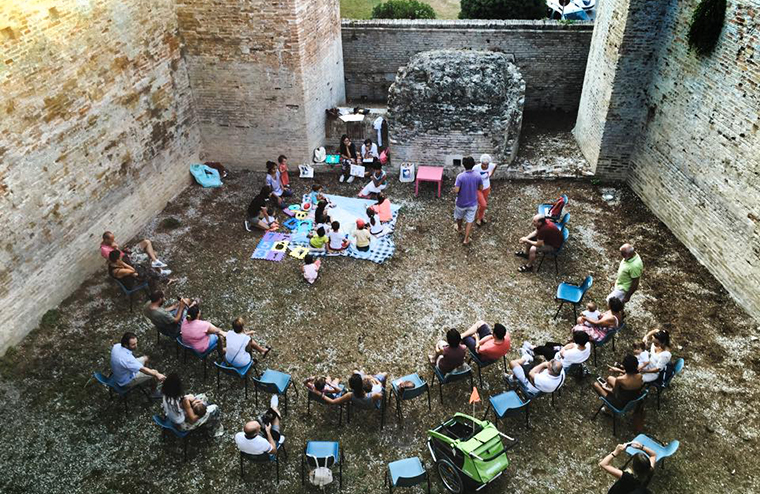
634, 479
252, 442
488, 345
449, 354
125, 273
610, 320
323, 385
167, 320
238, 345
198, 334
129, 371
575, 352
659, 354
623, 388
132, 255
366, 391
546, 238
187, 412
543, 378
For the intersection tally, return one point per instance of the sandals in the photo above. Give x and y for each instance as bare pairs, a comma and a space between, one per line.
521, 253
268, 349
525, 268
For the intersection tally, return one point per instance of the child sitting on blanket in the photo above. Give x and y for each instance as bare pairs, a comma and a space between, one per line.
320, 215
310, 268
375, 227
362, 236
338, 240
318, 240
316, 196
269, 219
383, 208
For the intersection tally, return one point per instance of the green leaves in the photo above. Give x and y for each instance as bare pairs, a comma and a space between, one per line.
503, 9
403, 9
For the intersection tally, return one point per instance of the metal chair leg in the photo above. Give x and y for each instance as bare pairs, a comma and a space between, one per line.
557, 313
242, 475
480, 376
428, 395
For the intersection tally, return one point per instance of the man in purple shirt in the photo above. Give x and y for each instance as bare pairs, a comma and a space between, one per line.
466, 187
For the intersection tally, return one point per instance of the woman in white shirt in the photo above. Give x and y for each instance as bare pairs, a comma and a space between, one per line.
369, 150
486, 169
238, 345
659, 354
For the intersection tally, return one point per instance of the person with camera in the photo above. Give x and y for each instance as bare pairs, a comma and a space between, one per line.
253, 441
634, 479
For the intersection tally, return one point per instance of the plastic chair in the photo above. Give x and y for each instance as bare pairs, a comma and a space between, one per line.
561, 224
401, 394
201, 355
572, 294
508, 404
661, 450
609, 336
406, 473
665, 377
265, 458
619, 412
351, 404
474, 357
556, 253
274, 382
241, 372
167, 425
317, 397
546, 207
128, 292
450, 378
109, 383
322, 454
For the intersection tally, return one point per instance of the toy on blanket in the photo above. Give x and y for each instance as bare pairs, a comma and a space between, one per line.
299, 252
291, 223
272, 247
301, 215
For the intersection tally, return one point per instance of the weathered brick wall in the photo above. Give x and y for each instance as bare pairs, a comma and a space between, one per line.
697, 164
551, 56
262, 75
96, 133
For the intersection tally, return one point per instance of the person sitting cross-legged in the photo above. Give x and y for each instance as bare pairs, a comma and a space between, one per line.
252, 441
546, 238
543, 378
167, 320
449, 354
487, 344
129, 371
238, 345
575, 352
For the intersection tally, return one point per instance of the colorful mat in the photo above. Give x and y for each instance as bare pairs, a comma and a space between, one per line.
272, 247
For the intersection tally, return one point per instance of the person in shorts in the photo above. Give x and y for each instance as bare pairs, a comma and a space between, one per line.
138, 253
466, 187
628, 275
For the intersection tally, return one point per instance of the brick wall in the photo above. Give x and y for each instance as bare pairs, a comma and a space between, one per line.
96, 132
262, 75
551, 56
697, 163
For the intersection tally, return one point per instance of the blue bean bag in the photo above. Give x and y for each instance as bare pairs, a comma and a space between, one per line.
205, 175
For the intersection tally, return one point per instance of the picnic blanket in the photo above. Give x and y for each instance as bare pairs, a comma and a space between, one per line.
272, 247
346, 211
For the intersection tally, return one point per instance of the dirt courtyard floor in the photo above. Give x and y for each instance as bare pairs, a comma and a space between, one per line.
61, 434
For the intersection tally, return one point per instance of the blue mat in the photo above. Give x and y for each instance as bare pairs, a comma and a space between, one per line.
346, 211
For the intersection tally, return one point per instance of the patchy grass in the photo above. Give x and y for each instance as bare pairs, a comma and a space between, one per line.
61, 433
362, 9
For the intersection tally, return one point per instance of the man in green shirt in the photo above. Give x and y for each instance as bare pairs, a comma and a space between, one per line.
628, 274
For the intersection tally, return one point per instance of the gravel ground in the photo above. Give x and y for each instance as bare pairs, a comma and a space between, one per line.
61, 434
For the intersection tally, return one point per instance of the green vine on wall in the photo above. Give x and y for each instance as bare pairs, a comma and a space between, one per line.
706, 25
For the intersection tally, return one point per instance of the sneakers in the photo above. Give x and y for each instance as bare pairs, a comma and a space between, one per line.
528, 346
247, 226
350, 179
527, 357
342, 178
158, 264
165, 272
511, 381
274, 402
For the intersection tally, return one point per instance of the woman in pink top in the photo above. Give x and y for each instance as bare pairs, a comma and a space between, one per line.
198, 334
383, 208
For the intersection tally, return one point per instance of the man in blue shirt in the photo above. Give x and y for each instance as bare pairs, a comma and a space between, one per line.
129, 371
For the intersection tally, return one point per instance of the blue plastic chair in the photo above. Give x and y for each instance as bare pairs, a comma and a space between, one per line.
322, 454
546, 207
274, 382
474, 357
616, 412
317, 397
201, 355
565, 218
241, 372
266, 458
167, 425
556, 253
129, 293
406, 473
665, 377
109, 383
610, 336
420, 386
661, 450
450, 378
572, 294
362, 406
508, 404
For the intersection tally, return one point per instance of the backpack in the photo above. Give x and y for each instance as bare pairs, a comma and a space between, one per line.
556, 209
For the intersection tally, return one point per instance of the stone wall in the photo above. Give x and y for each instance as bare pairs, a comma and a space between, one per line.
551, 56
96, 133
697, 163
262, 75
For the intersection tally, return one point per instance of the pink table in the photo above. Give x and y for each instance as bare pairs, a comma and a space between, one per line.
428, 174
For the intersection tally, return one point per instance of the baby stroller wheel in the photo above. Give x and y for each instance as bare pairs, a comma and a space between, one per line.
450, 476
